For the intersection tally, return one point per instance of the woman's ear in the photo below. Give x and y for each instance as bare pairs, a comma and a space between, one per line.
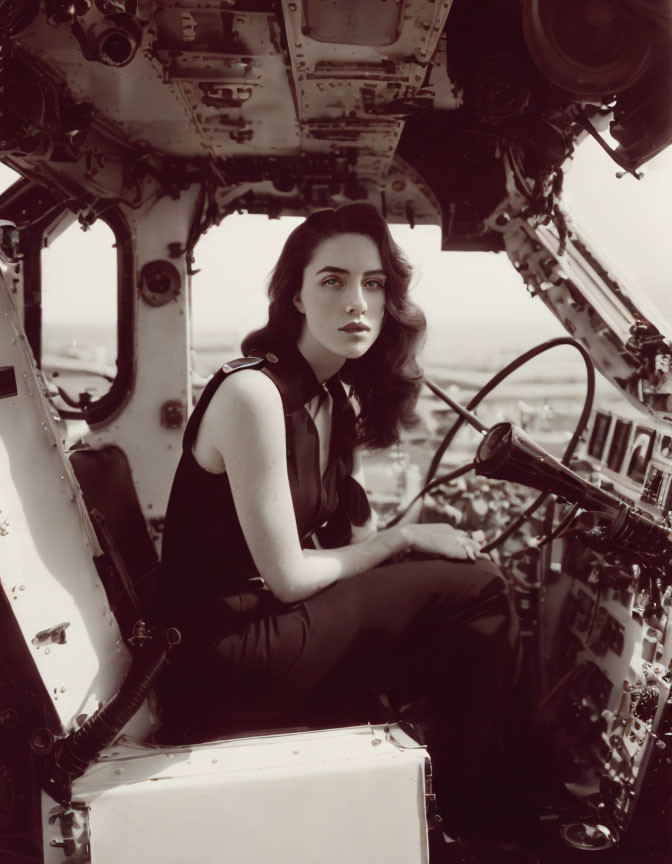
296, 300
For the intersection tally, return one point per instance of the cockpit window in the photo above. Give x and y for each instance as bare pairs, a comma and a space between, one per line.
77, 298
234, 261
228, 289
619, 444
626, 219
79, 312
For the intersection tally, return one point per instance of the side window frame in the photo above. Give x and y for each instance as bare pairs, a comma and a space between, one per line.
34, 209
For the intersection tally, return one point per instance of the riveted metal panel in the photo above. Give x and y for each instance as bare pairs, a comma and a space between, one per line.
47, 543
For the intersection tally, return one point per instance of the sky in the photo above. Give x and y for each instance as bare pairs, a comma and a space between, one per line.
474, 302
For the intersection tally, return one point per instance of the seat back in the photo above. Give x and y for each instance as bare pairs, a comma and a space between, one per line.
128, 566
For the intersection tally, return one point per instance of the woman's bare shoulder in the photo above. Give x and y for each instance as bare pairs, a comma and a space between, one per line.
246, 394
246, 409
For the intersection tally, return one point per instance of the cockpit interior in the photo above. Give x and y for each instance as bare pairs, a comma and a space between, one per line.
148, 129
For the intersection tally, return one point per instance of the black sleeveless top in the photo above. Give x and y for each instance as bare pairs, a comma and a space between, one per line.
205, 558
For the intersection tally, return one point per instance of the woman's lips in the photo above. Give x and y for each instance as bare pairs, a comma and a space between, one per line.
355, 328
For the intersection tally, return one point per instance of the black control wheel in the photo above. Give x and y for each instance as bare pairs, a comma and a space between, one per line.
465, 415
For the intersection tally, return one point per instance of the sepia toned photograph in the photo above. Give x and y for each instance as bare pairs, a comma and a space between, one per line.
335, 432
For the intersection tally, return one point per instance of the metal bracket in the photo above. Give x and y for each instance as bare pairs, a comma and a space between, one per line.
55, 634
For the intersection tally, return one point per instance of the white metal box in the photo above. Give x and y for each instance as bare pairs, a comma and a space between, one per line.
355, 795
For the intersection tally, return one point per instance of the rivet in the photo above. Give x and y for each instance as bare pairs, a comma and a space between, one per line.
271, 357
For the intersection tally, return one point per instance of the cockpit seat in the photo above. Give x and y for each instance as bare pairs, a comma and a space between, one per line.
128, 566
128, 569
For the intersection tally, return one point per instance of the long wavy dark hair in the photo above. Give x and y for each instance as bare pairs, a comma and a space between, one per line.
387, 379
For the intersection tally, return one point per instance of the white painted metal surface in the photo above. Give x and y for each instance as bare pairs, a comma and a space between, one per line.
47, 544
162, 360
353, 795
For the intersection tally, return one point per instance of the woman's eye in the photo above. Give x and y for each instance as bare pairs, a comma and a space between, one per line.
374, 284
332, 282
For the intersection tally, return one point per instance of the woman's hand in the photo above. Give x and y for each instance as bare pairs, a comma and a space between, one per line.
439, 538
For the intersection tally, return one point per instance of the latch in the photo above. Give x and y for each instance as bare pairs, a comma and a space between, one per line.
74, 831
55, 635
431, 806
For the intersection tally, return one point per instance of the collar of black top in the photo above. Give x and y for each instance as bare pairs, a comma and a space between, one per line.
294, 375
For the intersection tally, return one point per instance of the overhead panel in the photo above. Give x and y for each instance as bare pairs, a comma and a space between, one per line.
231, 75
355, 81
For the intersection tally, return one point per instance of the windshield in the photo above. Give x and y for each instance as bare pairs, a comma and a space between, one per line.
478, 310
476, 304
628, 220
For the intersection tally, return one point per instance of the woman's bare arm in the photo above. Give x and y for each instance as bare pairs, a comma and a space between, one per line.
245, 423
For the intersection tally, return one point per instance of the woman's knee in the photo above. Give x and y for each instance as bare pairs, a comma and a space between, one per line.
478, 579
498, 606
489, 578
491, 606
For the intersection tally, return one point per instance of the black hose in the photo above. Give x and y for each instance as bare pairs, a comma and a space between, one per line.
81, 747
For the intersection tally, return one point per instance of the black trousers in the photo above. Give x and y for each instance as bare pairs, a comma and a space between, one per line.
434, 640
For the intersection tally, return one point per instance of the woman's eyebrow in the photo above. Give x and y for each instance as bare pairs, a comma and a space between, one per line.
343, 270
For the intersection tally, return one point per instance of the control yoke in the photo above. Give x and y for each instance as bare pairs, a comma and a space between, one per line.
508, 453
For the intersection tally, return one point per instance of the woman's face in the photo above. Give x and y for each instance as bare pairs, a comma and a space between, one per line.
342, 296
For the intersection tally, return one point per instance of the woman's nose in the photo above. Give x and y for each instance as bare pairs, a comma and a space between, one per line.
356, 302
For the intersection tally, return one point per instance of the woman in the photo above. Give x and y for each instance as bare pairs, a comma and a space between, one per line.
291, 607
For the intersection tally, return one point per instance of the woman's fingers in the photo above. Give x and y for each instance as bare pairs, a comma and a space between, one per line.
443, 539
471, 548
473, 544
